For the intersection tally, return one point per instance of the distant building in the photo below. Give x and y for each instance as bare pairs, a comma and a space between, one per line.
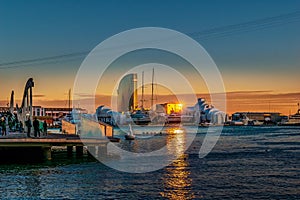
38, 111
4, 109
55, 113
201, 112
272, 117
127, 93
169, 108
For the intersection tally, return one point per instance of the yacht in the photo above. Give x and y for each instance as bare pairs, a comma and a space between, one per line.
294, 120
141, 118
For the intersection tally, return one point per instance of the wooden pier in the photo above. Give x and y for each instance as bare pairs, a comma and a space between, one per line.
15, 146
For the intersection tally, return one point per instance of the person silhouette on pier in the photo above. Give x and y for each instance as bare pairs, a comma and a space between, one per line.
45, 127
28, 125
3, 126
36, 127
20, 126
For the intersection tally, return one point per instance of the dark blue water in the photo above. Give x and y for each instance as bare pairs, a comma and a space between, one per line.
246, 163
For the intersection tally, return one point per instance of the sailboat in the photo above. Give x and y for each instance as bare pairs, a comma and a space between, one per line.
141, 117
293, 120
130, 135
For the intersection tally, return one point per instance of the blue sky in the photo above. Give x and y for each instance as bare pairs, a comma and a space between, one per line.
41, 28
35, 29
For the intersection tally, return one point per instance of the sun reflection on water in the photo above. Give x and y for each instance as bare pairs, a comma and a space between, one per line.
177, 180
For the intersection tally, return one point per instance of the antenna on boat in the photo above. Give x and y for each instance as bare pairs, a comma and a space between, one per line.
143, 90
152, 87
69, 100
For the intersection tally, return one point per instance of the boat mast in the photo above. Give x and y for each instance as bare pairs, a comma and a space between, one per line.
69, 100
152, 88
143, 90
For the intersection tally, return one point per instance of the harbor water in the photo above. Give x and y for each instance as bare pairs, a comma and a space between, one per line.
246, 163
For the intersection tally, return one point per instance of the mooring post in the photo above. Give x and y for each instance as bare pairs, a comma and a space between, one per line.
79, 150
47, 153
70, 150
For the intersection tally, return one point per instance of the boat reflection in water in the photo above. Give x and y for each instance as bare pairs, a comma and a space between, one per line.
177, 180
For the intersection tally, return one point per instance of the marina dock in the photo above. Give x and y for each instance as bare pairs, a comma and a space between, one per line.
17, 145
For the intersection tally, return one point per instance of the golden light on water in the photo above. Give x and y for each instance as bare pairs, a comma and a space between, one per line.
175, 130
178, 131
177, 180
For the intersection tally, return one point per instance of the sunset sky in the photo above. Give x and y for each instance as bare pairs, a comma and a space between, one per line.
255, 45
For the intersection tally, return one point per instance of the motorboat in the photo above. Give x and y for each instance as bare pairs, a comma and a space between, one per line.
174, 118
255, 123
293, 120
141, 118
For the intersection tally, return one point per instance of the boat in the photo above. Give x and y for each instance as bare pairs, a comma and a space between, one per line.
255, 123
236, 123
173, 118
177, 118
130, 135
140, 118
293, 120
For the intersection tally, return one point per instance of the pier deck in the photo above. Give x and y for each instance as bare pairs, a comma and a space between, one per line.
49, 141
18, 144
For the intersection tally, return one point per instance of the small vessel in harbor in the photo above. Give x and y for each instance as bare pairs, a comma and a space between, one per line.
141, 118
293, 120
130, 135
255, 123
173, 118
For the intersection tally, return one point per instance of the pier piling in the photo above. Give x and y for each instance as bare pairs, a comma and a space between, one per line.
70, 150
79, 150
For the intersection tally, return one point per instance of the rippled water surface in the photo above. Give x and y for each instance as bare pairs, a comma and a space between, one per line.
246, 163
